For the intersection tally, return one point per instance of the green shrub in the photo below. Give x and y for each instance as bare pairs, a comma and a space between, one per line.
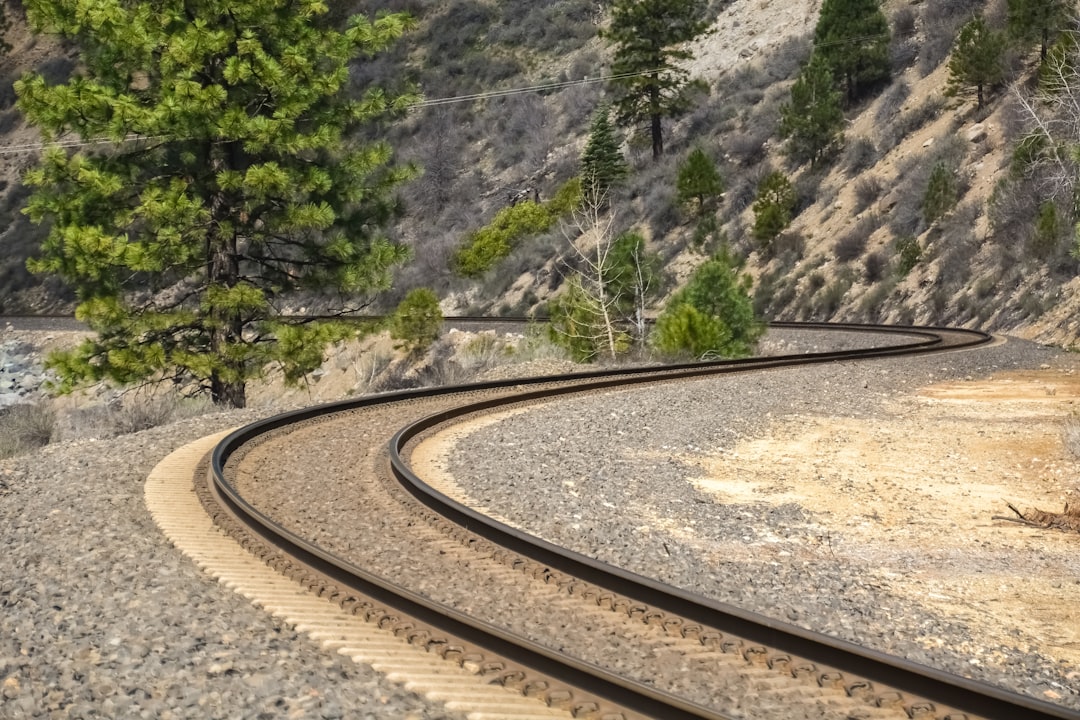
723, 322
908, 254
686, 330
417, 321
941, 193
773, 207
485, 247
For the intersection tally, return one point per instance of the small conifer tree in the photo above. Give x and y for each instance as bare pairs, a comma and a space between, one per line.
852, 38
977, 59
1037, 21
813, 121
603, 166
773, 207
417, 321
712, 316
650, 38
941, 193
699, 182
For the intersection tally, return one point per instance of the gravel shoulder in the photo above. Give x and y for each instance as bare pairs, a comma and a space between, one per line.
101, 617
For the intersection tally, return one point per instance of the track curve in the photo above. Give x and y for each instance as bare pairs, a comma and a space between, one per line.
916, 681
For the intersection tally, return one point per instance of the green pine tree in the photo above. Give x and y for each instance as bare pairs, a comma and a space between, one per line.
852, 38
1037, 21
977, 59
698, 183
649, 74
813, 121
634, 277
417, 321
603, 166
773, 207
713, 315
230, 181
941, 193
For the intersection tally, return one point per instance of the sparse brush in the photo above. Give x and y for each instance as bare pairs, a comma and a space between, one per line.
136, 413
26, 427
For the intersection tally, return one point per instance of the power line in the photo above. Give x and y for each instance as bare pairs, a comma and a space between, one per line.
434, 102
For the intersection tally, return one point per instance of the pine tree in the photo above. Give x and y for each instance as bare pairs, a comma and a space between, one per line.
941, 193
634, 276
649, 74
773, 207
698, 181
713, 315
1037, 20
852, 37
977, 59
603, 166
813, 121
231, 181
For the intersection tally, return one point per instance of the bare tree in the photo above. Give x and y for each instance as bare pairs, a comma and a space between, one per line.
584, 318
1051, 150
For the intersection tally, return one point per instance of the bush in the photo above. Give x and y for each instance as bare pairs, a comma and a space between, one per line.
491, 244
859, 155
874, 267
686, 330
867, 190
25, 428
712, 315
850, 246
417, 321
908, 255
942, 192
773, 207
138, 413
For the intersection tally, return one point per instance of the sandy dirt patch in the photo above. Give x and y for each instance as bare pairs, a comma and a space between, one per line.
913, 492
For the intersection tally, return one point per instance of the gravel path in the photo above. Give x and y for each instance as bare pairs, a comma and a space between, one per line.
100, 617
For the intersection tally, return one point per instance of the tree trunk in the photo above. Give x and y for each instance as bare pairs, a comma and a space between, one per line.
227, 326
979, 87
227, 330
654, 115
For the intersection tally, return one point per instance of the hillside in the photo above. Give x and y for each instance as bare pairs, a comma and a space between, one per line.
978, 266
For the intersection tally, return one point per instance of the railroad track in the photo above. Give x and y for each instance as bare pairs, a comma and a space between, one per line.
777, 666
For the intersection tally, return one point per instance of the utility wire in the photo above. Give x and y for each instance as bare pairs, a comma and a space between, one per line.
434, 102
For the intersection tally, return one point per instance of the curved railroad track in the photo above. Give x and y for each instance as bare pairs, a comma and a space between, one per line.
743, 654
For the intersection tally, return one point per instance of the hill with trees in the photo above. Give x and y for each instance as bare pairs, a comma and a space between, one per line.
919, 170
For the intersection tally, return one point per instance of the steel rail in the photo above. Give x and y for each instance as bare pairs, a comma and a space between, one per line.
900, 674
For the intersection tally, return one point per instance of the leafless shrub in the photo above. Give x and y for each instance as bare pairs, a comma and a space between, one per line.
902, 54
891, 102
852, 244
26, 427
874, 267
941, 21
137, 412
859, 154
867, 190
903, 21
895, 131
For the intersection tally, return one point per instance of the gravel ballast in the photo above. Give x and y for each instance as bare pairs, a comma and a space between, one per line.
101, 617
595, 474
